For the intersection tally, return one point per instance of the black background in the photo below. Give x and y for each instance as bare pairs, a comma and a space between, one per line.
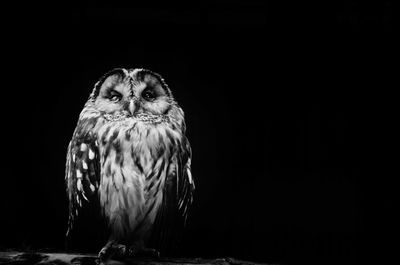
288, 111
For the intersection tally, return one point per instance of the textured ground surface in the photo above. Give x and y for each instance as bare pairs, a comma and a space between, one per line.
24, 258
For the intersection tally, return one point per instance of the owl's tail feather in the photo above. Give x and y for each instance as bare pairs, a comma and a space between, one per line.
168, 227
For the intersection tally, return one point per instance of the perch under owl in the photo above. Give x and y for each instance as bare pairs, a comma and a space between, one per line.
129, 154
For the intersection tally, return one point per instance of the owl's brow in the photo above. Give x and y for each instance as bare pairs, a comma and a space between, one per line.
132, 83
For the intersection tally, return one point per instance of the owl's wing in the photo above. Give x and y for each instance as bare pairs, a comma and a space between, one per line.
177, 199
185, 184
82, 174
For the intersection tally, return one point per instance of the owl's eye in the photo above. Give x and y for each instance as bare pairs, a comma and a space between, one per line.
115, 96
148, 95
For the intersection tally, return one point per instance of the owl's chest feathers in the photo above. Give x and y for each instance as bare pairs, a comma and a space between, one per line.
135, 160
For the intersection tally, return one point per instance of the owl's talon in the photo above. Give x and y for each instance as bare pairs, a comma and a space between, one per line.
143, 252
112, 250
118, 252
103, 255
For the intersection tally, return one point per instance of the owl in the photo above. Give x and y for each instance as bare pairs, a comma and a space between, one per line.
130, 156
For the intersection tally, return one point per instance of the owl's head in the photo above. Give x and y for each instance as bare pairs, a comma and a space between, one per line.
131, 92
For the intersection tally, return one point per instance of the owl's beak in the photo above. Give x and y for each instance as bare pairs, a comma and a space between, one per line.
133, 107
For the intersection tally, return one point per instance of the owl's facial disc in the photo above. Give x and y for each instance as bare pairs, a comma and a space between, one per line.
141, 92
152, 96
113, 93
